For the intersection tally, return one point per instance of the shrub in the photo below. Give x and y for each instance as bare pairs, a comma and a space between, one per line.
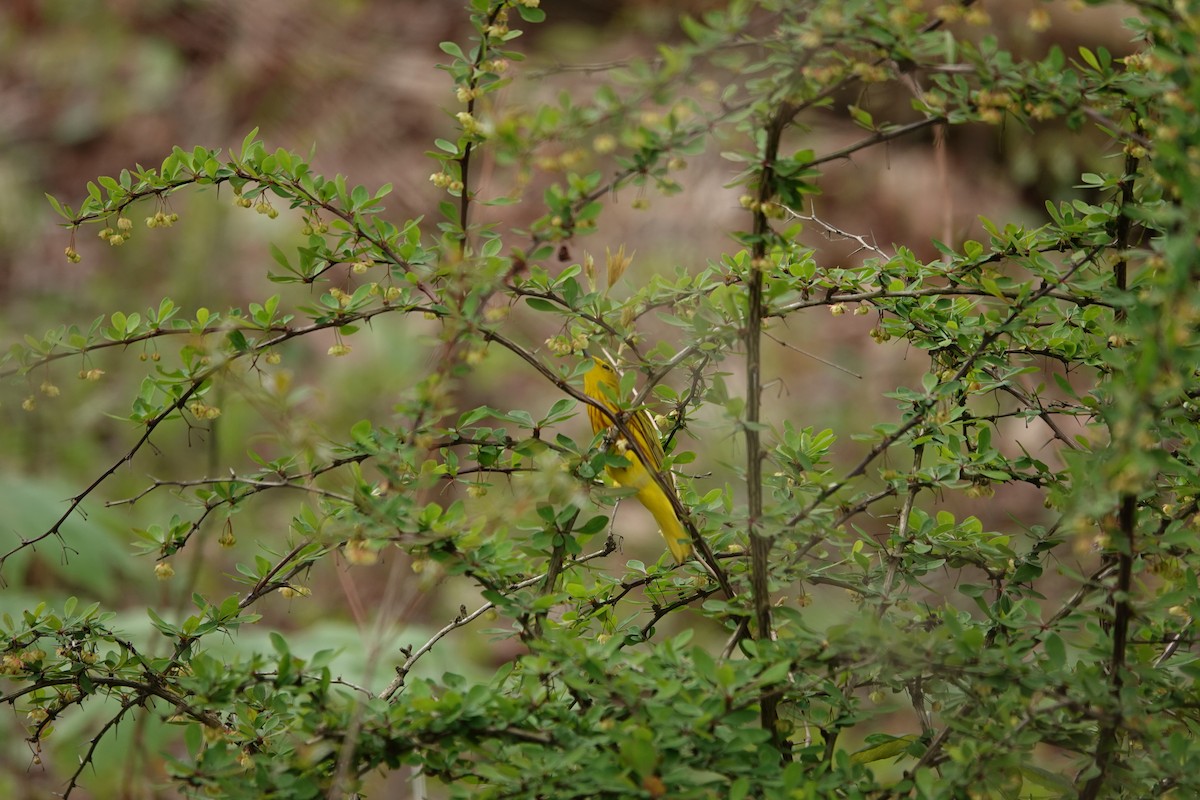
857, 622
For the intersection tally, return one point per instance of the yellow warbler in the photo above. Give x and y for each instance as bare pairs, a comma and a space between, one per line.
602, 385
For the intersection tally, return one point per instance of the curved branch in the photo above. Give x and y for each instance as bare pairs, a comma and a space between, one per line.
196, 381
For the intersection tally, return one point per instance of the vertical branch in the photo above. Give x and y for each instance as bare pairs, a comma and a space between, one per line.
464, 168
1121, 268
1123, 541
558, 555
760, 545
464, 161
1106, 744
902, 534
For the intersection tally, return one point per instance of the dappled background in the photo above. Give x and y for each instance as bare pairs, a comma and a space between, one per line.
89, 88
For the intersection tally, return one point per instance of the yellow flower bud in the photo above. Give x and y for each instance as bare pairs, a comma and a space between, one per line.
604, 144
359, 551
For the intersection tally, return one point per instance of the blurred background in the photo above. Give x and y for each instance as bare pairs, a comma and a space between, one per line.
89, 87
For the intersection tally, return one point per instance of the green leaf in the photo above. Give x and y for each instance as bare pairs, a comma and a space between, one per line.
361, 431
1055, 649
530, 14
1089, 57
889, 748
248, 142
452, 49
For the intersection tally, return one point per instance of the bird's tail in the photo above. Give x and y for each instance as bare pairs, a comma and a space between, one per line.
678, 540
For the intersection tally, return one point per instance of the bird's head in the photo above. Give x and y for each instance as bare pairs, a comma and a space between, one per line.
602, 373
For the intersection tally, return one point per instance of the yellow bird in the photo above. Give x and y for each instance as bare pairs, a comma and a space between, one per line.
602, 385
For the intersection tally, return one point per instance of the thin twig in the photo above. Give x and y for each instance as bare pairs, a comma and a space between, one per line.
466, 619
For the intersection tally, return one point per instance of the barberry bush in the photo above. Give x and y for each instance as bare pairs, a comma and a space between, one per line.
870, 614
